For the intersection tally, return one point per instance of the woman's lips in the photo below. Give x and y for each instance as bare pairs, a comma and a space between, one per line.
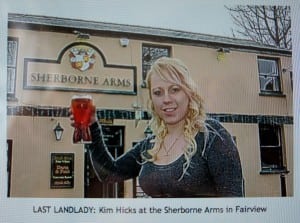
169, 110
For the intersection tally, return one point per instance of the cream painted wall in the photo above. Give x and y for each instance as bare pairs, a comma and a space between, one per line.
229, 86
256, 184
219, 81
33, 143
289, 152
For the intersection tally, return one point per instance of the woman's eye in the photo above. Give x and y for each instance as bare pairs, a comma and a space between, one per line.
156, 93
174, 89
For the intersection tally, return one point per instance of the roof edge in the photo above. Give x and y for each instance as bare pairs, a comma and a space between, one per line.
48, 21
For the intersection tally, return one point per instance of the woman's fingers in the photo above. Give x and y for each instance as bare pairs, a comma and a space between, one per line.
93, 118
71, 117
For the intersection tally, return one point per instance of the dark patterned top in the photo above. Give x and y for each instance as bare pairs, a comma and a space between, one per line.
215, 170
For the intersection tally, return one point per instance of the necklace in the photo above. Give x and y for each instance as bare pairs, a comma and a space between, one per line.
167, 151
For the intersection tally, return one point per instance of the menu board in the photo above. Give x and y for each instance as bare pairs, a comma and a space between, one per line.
62, 170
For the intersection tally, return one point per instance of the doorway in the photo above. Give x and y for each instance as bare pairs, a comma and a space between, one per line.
114, 139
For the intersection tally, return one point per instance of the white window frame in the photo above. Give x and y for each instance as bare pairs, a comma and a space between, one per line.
269, 81
12, 55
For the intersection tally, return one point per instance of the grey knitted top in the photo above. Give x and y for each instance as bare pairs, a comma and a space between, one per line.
215, 169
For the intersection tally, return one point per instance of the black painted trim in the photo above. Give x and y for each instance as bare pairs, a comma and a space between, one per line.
272, 94
272, 171
54, 111
263, 119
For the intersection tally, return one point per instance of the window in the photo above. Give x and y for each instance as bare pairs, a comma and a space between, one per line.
150, 54
12, 51
271, 148
291, 77
9, 144
269, 78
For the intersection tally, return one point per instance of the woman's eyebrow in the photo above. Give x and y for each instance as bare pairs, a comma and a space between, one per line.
156, 88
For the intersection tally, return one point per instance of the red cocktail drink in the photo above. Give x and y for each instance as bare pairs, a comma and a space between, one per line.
82, 109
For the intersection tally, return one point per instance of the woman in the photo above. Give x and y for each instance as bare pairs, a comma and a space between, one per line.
188, 155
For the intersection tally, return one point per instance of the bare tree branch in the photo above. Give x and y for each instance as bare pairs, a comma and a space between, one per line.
269, 25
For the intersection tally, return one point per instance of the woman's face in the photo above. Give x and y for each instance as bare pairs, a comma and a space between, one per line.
169, 100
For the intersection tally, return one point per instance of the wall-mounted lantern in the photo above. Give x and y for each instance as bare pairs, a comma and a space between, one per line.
221, 52
144, 84
138, 113
148, 132
124, 42
81, 35
58, 131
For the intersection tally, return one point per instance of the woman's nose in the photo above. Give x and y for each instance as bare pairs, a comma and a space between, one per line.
167, 98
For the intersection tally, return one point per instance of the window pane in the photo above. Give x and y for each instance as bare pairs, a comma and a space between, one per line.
11, 75
269, 135
269, 83
12, 47
267, 67
271, 157
151, 54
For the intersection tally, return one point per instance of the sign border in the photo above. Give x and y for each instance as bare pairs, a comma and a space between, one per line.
58, 61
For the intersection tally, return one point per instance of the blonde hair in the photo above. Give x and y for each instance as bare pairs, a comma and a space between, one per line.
175, 71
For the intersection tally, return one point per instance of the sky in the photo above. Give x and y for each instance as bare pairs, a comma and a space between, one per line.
201, 16
208, 17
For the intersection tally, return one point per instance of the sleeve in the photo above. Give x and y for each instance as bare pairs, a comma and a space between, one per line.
105, 166
224, 164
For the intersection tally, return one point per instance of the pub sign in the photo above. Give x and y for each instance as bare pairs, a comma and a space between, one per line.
62, 170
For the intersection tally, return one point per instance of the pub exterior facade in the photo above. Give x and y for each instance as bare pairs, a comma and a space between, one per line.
246, 86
